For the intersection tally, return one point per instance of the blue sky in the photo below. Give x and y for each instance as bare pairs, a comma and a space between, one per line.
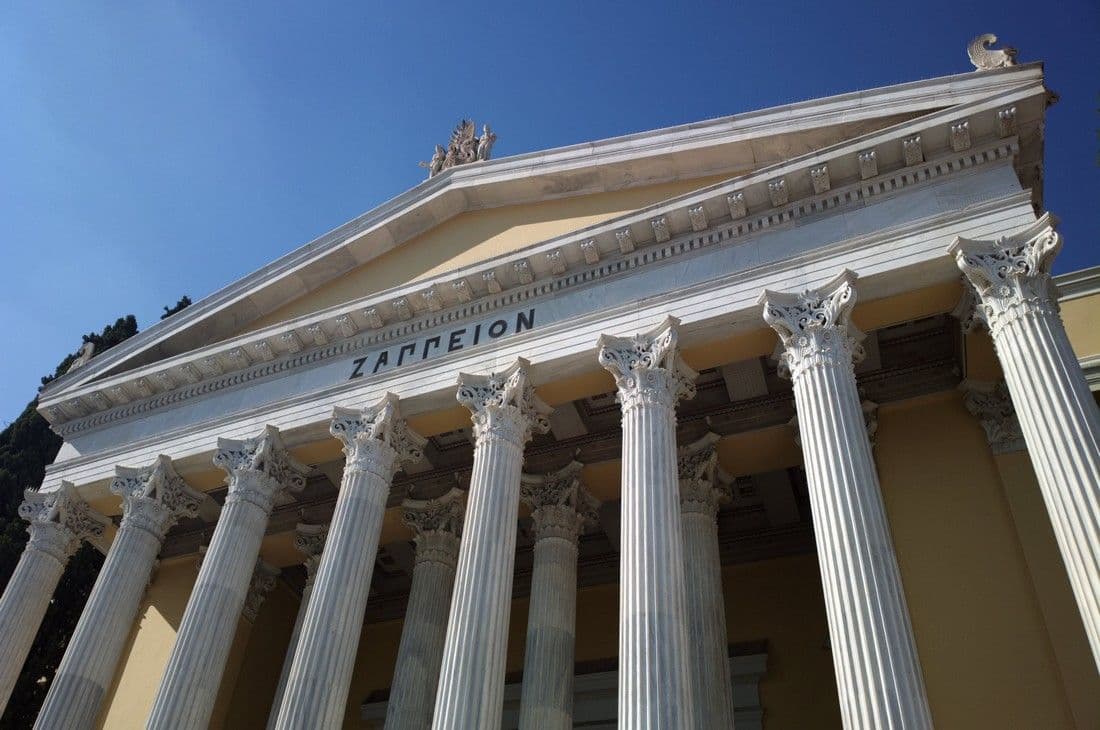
149, 150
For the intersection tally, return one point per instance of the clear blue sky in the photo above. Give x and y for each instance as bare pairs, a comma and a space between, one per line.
149, 150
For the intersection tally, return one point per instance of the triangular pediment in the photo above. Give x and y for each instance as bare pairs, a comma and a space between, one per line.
422, 249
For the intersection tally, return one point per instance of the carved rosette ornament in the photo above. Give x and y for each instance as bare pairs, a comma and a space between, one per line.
647, 367
815, 326
259, 469
560, 506
992, 406
985, 58
436, 525
504, 405
59, 521
1012, 275
700, 491
376, 439
154, 497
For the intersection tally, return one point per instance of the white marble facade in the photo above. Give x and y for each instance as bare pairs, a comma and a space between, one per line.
790, 245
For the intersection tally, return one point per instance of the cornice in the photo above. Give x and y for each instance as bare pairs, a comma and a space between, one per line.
462, 184
1081, 283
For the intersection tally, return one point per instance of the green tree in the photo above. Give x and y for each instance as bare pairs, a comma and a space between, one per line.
27, 446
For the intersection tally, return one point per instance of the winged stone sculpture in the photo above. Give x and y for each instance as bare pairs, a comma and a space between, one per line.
464, 147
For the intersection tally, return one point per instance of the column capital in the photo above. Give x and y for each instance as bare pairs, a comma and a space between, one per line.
154, 497
647, 367
504, 405
59, 520
992, 405
968, 311
815, 325
1011, 275
262, 583
309, 540
436, 525
560, 505
377, 439
259, 468
700, 491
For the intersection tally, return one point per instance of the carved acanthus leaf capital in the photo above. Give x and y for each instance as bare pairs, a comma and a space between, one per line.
259, 468
992, 405
647, 367
970, 315
815, 326
262, 583
309, 540
436, 524
504, 405
154, 497
560, 505
700, 490
1011, 275
377, 438
59, 520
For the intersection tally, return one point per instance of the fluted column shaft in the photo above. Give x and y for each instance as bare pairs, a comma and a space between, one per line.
420, 655
547, 692
153, 499
1058, 415
471, 680
258, 470
711, 687
310, 542
875, 658
26, 598
375, 441
653, 655
58, 522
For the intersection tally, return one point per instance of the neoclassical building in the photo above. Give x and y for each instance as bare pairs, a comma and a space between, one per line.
777, 420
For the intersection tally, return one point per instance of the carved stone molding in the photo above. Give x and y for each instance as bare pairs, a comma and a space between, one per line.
377, 439
259, 468
815, 326
992, 405
504, 405
647, 367
1012, 274
154, 497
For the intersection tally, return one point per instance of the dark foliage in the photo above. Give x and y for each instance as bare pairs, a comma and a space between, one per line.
183, 303
27, 445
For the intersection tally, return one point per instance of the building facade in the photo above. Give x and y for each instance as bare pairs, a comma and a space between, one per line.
776, 420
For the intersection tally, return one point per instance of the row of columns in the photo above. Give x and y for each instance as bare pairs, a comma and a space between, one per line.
673, 665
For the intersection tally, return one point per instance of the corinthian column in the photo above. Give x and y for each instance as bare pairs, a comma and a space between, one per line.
58, 522
561, 509
471, 682
310, 541
259, 470
153, 499
436, 524
700, 496
653, 653
376, 444
1058, 415
875, 657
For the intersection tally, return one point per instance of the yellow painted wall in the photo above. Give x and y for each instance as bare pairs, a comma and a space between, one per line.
476, 236
987, 659
146, 653
1082, 318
